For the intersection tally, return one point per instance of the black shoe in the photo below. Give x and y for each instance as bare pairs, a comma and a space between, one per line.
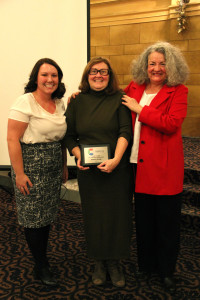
99, 274
169, 284
45, 275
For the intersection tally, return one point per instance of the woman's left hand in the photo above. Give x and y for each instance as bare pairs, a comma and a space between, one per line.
65, 174
108, 166
131, 103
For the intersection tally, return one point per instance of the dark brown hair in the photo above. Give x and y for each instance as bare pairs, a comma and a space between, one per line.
112, 86
31, 86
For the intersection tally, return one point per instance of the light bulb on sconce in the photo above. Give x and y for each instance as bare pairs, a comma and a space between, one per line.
182, 17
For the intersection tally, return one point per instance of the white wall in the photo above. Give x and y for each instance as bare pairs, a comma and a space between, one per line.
33, 29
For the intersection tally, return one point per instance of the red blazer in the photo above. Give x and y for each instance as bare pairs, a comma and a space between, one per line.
160, 167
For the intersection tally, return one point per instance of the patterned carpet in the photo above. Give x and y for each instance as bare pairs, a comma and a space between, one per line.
191, 188
191, 146
67, 255
67, 252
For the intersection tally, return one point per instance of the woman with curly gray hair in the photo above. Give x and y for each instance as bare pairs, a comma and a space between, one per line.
157, 99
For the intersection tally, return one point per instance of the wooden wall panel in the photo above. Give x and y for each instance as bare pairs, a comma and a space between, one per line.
122, 29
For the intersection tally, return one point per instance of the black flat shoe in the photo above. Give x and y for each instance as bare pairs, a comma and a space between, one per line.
169, 284
46, 276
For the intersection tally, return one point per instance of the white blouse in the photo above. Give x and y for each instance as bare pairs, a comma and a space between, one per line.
43, 126
145, 100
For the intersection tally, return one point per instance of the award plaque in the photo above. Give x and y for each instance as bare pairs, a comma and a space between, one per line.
94, 154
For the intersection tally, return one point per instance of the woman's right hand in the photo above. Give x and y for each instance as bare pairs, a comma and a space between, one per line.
81, 167
132, 104
72, 96
22, 183
77, 153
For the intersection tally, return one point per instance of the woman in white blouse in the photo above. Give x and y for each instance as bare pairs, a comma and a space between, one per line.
36, 126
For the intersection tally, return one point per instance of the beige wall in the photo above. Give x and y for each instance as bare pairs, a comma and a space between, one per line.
31, 30
121, 29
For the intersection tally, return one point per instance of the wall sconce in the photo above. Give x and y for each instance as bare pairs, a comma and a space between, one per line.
182, 17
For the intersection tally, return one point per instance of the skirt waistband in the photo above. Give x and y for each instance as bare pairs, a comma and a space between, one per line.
47, 145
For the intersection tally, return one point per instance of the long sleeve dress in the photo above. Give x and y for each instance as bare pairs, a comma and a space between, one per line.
98, 118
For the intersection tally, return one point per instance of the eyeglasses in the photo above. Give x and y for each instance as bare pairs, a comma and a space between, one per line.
103, 72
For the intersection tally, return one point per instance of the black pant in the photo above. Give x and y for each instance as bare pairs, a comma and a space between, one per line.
157, 232
37, 240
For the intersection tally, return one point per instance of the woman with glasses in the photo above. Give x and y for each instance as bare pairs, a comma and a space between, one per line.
95, 118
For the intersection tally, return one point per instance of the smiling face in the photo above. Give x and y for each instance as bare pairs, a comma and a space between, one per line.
98, 82
47, 79
156, 68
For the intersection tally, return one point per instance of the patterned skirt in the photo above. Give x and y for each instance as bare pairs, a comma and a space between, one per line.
43, 166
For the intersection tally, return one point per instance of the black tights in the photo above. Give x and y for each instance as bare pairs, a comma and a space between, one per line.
37, 240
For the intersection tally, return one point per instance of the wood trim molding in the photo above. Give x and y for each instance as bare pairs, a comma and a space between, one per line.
102, 1
113, 17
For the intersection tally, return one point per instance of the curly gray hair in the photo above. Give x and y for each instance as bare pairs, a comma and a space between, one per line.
176, 67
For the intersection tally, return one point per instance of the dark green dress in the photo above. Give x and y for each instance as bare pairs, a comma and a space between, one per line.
97, 118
